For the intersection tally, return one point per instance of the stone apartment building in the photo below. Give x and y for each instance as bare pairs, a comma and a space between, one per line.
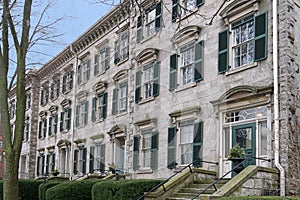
150, 88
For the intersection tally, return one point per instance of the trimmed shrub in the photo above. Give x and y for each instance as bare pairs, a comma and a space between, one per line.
258, 198
44, 187
73, 190
122, 190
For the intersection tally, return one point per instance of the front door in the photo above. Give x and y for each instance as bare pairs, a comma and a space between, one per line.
244, 135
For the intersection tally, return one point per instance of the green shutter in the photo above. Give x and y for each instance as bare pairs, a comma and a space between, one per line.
138, 77
173, 71
84, 152
199, 57
260, 40
172, 147
154, 150
92, 151
96, 64
158, 15
115, 101
156, 79
197, 144
175, 7
102, 157
94, 102
75, 170
135, 152
68, 123
223, 52
77, 115
86, 105
200, 2
104, 114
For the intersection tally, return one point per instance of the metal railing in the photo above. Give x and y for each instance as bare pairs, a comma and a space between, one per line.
168, 179
219, 179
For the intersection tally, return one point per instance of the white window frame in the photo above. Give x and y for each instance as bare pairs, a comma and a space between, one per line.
186, 142
122, 97
148, 80
187, 60
28, 100
146, 136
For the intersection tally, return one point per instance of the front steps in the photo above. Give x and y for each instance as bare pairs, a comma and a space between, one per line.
194, 188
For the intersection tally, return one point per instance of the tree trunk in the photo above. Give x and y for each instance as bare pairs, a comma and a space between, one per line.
11, 182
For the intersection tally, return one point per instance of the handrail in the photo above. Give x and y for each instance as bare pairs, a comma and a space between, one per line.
219, 179
165, 181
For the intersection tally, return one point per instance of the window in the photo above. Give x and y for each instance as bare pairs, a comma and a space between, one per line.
153, 21
50, 163
44, 95
40, 168
248, 42
26, 130
28, 100
12, 109
146, 153
52, 126
83, 73
55, 87
67, 82
43, 127
99, 107
120, 98
147, 82
122, 47
80, 161
185, 7
101, 60
97, 158
65, 119
191, 65
82, 114
188, 141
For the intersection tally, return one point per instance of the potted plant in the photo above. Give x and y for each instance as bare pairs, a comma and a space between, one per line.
237, 155
55, 172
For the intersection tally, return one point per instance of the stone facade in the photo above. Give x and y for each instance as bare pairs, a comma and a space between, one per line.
151, 88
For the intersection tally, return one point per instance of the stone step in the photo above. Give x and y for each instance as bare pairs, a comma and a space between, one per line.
202, 186
196, 191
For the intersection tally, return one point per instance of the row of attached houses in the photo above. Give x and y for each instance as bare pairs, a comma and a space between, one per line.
153, 87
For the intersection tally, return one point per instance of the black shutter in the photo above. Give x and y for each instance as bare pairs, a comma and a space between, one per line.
40, 129
43, 164
260, 40
38, 165
68, 122
50, 126
135, 152
197, 144
223, 52
154, 150
199, 50
53, 162
172, 147
71, 80
44, 127
102, 157
84, 160
92, 152
175, 7
138, 86
75, 169
158, 15
200, 2
77, 115
139, 28
86, 105
96, 64
173, 71
156, 79
117, 53
55, 123
115, 101
64, 85
94, 108
47, 164
104, 114
61, 125
79, 77
106, 62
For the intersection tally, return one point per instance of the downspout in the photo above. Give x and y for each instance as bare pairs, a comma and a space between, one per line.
74, 111
276, 100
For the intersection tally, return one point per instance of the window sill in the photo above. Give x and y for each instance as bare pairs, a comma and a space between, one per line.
145, 171
122, 61
239, 69
120, 114
146, 100
101, 73
185, 87
185, 16
148, 38
99, 120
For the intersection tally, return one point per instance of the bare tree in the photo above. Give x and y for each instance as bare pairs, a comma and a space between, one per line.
17, 36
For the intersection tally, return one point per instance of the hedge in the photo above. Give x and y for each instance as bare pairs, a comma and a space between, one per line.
258, 198
44, 187
73, 190
122, 190
28, 189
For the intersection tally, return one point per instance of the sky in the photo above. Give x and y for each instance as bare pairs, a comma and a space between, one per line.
78, 15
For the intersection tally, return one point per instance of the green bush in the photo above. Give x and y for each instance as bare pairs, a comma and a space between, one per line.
122, 190
73, 190
44, 187
259, 198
